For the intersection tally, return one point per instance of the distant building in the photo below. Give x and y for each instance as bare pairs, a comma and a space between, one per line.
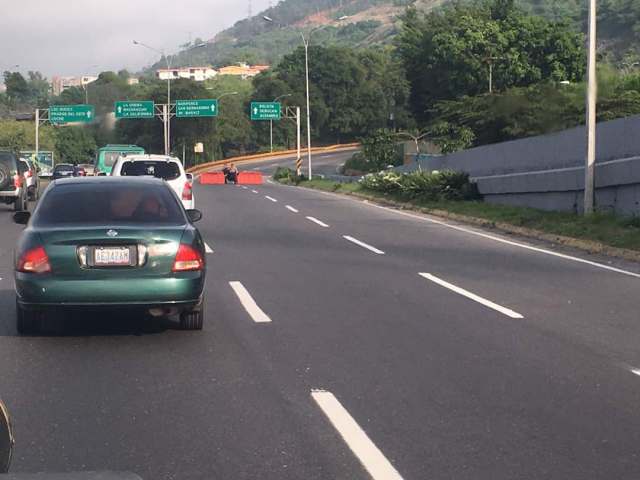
59, 84
199, 74
132, 81
3, 88
243, 70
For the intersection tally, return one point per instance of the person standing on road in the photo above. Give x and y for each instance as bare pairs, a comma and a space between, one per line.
230, 173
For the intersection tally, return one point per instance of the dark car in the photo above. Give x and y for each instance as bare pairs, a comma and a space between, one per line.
126, 243
13, 184
64, 170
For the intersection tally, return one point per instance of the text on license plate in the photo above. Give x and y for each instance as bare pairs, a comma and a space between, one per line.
112, 256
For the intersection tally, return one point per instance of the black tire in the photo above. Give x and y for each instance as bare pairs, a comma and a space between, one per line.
193, 319
28, 322
5, 176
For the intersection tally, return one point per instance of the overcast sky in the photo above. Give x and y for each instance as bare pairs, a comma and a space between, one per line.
69, 37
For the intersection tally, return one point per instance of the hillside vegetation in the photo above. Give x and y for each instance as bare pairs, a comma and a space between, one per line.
374, 22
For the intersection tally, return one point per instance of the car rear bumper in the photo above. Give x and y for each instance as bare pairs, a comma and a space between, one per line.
11, 193
185, 289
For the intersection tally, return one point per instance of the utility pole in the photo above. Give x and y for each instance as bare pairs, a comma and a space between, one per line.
592, 96
306, 67
37, 132
271, 121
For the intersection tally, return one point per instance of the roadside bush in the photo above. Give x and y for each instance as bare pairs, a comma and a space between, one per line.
433, 186
287, 175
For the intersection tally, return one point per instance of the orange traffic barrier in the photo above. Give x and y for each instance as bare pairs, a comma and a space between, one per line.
212, 178
250, 178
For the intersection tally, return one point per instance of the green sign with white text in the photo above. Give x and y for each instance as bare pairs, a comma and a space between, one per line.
266, 111
59, 114
141, 109
196, 108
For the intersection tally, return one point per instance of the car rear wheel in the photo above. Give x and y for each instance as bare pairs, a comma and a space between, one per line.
28, 321
193, 319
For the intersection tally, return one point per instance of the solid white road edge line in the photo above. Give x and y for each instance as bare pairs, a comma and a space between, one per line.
207, 248
490, 237
291, 209
362, 244
472, 296
356, 439
270, 198
315, 220
249, 304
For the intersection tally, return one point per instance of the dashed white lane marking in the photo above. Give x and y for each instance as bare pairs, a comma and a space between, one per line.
362, 244
508, 242
291, 209
472, 296
249, 304
487, 236
254, 191
635, 371
372, 459
270, 198
315, 220
207, 248
270, 181
245, 187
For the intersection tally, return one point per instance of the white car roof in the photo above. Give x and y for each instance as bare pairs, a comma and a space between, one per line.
142, 158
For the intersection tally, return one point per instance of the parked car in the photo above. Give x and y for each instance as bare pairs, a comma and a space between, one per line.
167, 168
63, 170
127, 243
79, 171
13, 184
89, 168
32, 179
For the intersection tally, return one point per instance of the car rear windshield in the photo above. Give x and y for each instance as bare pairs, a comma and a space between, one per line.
108, 204
8, 161
63, 168
158, 169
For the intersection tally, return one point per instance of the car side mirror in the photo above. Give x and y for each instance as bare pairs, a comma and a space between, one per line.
22, 217
194, 215
190, 177
6, 439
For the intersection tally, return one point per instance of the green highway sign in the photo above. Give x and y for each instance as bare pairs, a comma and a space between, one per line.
196, 108
59, 114
140, 109
266, 111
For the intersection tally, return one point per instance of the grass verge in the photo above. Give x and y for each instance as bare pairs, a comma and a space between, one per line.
603, 229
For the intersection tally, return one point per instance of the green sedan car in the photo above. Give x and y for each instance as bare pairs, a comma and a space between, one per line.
110, 243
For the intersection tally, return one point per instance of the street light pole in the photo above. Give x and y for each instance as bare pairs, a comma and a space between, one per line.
167, 114
592, 95
306, 69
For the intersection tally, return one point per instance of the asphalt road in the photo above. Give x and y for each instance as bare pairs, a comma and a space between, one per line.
503, 360
323, 163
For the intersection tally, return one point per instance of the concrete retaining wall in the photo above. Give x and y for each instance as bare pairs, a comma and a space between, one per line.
548, 171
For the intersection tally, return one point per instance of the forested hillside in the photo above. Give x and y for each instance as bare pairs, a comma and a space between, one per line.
371, 22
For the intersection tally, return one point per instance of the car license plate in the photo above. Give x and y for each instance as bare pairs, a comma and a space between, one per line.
116, 256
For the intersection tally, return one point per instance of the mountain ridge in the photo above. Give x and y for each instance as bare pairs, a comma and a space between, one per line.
375, 22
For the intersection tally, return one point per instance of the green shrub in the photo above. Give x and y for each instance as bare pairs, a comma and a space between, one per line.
427, 186
287, 175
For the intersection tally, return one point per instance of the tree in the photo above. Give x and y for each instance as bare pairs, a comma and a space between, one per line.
447, 52
17, 88
75, 144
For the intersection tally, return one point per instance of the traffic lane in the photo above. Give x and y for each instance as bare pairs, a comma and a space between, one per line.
558, 295
325, 163
118, 393
443, 386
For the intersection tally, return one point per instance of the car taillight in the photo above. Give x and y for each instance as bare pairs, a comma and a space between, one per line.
34, 261
187, 191
188, 259
17, 181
